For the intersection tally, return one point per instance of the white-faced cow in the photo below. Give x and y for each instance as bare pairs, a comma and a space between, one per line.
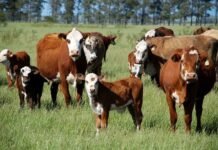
105, 96
30, 86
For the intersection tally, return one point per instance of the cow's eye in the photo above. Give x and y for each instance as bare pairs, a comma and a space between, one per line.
68, 41
80, 41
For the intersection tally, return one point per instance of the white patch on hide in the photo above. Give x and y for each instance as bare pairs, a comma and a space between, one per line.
71, 79
207, 63
89, 56
193, 52
175, 96
150, 33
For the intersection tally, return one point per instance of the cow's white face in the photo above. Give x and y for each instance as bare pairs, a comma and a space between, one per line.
74, 39
90, 47
3, 56
141, 52
91, 83
25, 71
137, 70
189, 65
150, 33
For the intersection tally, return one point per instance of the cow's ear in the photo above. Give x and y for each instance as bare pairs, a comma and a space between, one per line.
62, 36
101, 78
85, 34
112, 39
176, 57
80, 76
35, 71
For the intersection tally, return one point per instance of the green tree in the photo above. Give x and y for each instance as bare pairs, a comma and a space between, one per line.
69, 7
56, 9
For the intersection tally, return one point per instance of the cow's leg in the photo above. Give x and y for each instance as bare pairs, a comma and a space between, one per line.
132, 112
79, 88
104, 118
10, 82
199, 109
31, 102
54, 90
173, 114
39, 95
21, 96
188, 107
138, 114
98, 123
65, 90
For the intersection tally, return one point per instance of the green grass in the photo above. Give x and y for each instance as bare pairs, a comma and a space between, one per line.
74, 127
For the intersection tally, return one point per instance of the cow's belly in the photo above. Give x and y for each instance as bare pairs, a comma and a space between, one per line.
121, 108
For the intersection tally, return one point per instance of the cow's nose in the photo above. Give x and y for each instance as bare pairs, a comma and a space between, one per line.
92, 90
192, 76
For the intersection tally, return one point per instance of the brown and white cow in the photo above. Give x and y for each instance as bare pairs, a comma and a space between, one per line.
201, 30
58, 47
30, 86
13, 63
186, 78
56, 56
105, 96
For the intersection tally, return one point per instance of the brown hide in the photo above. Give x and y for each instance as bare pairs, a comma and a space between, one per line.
119, 93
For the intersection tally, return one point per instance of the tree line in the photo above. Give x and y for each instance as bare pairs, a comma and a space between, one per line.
168, 12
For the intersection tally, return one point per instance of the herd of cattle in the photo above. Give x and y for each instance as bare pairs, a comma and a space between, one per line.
183, 66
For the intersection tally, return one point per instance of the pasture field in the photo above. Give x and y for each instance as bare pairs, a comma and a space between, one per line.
74, 127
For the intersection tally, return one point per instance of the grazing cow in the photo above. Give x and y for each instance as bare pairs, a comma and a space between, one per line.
13, 63
30, 86
201, 30
159, 49
186, 78
105, 96
58, 47
161, 31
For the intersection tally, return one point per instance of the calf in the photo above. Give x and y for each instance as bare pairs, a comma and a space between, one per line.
105, 96
185, 81
13, 63
30, 86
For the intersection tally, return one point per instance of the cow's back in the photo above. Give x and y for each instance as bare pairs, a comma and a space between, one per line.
48, 53
166, 45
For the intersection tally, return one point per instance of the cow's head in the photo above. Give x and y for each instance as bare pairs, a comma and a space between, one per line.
74, 41
92, 44
4, 55
141, 52
189, 64
27, 74
91, 84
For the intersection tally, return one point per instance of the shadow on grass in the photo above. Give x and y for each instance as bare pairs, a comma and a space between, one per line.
211, 127
4, 100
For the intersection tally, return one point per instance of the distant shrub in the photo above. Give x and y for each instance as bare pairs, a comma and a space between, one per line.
3, 20
50, 19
